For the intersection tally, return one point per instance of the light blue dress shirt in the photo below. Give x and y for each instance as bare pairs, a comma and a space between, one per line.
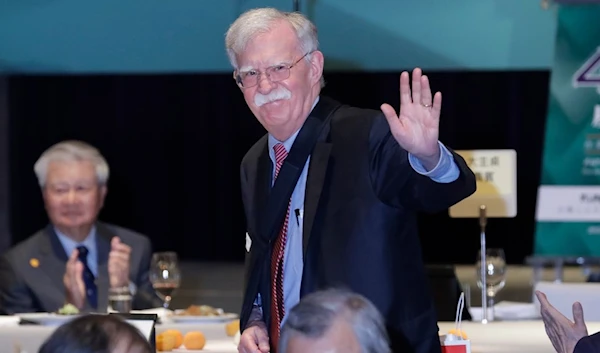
445, 171
90, 243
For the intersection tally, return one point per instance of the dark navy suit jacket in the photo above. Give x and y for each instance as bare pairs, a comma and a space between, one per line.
360, 224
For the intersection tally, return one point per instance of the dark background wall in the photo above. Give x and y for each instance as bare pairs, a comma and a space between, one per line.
174, 144
149, 84
5, 237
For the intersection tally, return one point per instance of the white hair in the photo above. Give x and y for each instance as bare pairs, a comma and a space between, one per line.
317, 312
257, 21
71, 151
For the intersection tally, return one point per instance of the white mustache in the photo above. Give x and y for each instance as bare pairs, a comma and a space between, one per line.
280, 93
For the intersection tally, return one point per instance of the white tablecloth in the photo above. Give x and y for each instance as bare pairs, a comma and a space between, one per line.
30, 337
494, 337
509, 336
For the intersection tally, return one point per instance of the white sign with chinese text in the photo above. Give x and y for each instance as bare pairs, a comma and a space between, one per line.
568, 203
496, 174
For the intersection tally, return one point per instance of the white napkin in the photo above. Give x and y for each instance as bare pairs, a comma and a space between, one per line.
477, 313
506, 310
9, 320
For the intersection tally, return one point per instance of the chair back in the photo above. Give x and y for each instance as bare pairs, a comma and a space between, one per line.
446, 290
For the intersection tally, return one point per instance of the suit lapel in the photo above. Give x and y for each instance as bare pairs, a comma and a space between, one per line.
264, 175
103, 238
317, 171
53, 261
254, 280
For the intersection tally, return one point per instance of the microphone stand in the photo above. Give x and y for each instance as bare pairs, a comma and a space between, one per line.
297, 5
483, 265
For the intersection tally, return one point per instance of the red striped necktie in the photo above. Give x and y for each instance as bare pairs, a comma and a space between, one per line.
277, 307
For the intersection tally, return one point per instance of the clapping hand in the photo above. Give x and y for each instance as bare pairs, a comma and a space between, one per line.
73, 281
563, 333
118, 263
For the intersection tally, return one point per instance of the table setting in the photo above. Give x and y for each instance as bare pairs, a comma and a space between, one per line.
27, 338
196, 328
509, 326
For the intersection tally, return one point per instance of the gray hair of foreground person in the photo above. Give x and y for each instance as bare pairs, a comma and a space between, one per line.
93, 333
317, 312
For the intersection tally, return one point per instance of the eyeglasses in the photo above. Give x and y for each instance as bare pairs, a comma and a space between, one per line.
251, 78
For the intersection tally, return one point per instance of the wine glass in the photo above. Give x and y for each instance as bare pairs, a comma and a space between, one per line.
495, 271
165, 275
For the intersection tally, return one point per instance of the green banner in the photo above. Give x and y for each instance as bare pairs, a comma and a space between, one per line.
568, 204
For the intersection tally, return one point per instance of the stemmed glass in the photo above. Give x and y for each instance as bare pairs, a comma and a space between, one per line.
495, 271
165, 275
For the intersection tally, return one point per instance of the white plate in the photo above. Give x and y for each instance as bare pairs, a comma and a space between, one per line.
48, 319
206, 319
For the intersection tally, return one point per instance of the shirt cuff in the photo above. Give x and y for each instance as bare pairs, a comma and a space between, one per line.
258, 300
257, 312
132, 288
446, 170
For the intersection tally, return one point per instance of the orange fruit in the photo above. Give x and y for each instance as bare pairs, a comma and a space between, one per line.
165, 343
194, 340
178, 336
231, 328
460, 333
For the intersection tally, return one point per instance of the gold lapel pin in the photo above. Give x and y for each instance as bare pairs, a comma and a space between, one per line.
34, 262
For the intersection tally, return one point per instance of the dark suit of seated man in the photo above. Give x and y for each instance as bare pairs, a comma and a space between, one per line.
76, 258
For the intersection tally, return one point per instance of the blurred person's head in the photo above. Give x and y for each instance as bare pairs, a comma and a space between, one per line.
277, 65
96, 334
334, 321
73, 177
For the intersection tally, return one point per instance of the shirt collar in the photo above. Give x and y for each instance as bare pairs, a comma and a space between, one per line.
89, 242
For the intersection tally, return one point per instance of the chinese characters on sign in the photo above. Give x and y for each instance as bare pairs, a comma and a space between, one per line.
487, 176
496, 174
483, 162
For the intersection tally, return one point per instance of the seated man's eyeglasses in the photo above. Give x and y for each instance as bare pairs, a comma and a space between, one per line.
250, 78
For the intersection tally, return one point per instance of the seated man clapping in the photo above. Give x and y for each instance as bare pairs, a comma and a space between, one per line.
76, 258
